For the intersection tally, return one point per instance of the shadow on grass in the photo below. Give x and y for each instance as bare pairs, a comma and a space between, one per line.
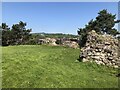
80, 60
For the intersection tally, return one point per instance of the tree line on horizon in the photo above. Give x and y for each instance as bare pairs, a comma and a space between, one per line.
18, 34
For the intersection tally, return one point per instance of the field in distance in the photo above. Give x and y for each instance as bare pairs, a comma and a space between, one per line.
41, 66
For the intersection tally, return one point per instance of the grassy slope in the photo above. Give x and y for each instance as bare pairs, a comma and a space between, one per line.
49, 67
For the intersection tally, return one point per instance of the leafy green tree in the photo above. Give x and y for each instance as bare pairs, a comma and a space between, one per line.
5, 34
104, 23
18, 34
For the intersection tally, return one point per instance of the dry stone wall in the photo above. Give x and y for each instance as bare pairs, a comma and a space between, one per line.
102, 49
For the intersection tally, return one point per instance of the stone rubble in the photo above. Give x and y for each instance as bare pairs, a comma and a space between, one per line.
102, 49
73, 43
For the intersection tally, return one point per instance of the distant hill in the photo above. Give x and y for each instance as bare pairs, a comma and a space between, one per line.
54, 35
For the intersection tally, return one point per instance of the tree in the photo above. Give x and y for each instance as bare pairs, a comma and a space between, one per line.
106, 22
103, 23
5, 34
18, 34
117, 21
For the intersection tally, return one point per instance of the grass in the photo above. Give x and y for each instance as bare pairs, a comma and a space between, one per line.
37, 66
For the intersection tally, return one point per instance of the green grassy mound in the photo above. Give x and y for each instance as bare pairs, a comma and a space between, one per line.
37, 66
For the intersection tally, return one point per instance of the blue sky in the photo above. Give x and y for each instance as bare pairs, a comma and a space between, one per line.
54, 17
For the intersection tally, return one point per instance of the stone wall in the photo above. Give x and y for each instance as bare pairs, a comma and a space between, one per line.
102, 49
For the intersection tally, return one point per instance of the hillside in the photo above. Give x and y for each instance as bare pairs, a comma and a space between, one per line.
54, 35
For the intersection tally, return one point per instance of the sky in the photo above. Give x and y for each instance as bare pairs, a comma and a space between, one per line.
54, 17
